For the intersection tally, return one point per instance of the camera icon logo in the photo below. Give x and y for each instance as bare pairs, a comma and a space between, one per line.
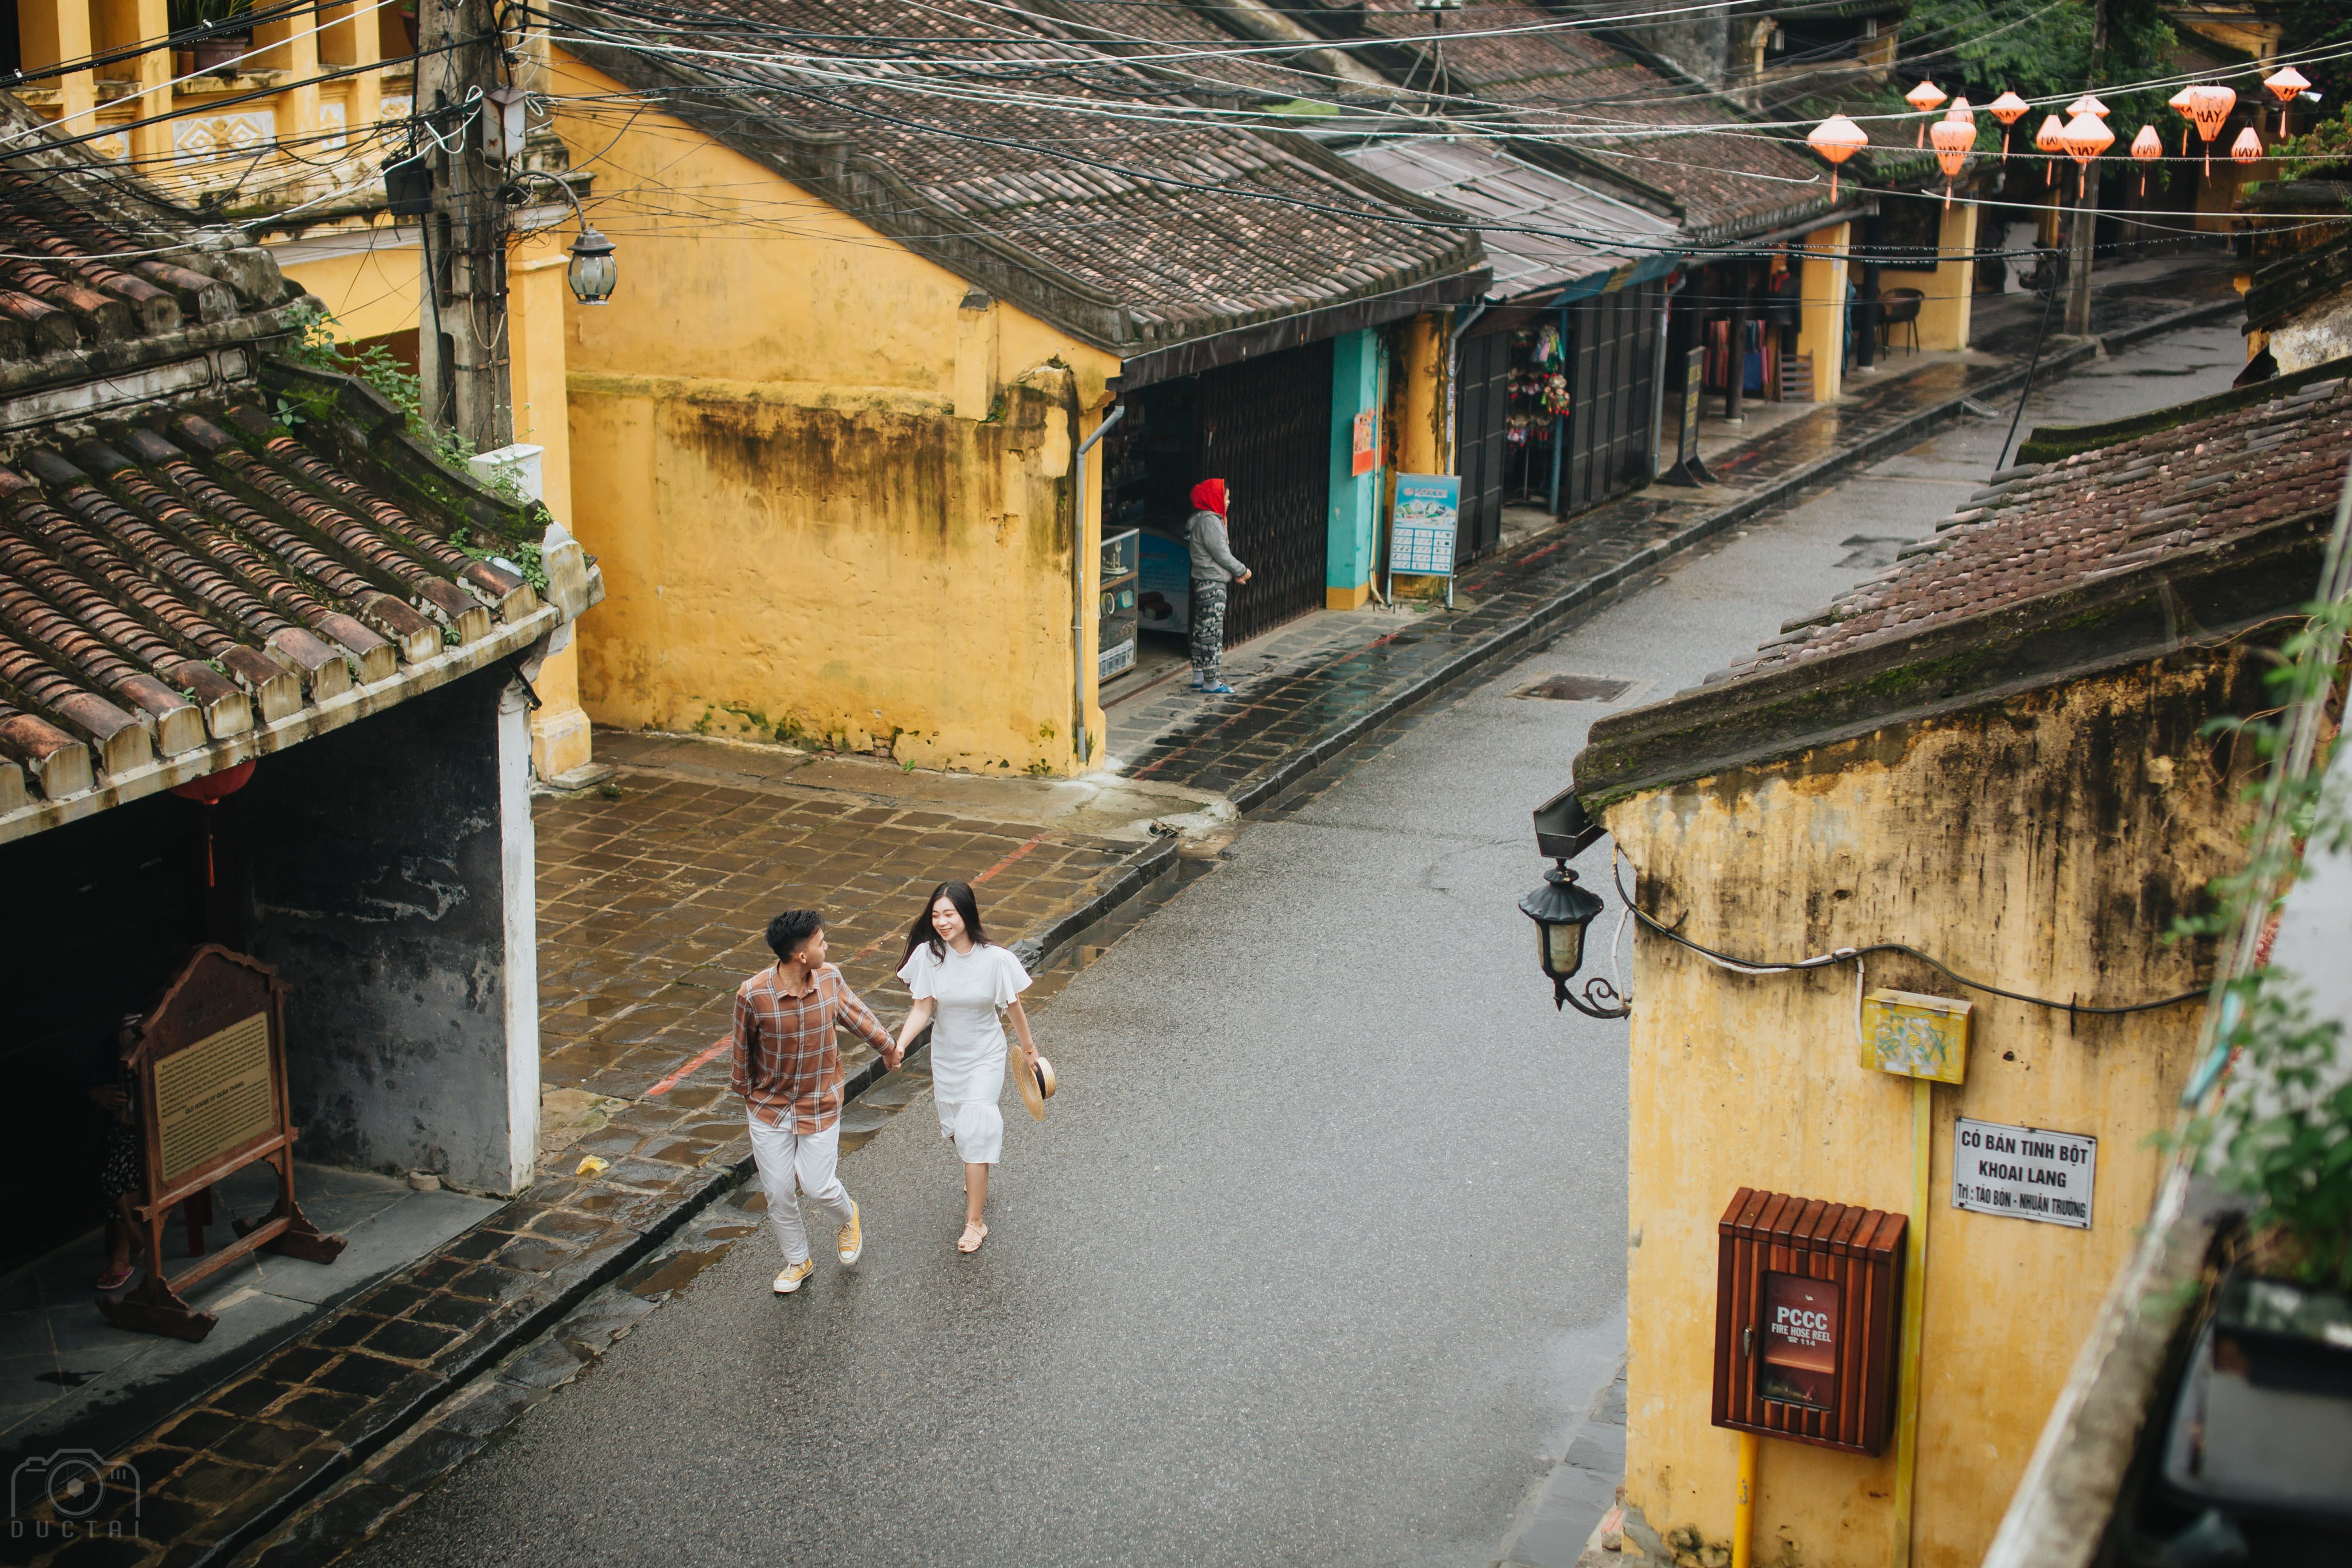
82, 1491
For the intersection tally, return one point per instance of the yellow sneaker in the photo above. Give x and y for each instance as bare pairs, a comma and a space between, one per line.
789, 1279
852, 1239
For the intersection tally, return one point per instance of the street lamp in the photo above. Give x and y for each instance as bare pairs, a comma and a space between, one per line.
594, 274
1562, 909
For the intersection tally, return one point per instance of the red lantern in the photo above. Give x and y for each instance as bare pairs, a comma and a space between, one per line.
2147, 147
209, 792
1838, 139
2248, 147
2008, 109
2210, 106
1924, 98
2087, 136
2184, 104
1954, 139
2284, 86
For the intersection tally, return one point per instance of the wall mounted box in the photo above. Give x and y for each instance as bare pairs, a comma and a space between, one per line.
1807, 1308
1915, 1036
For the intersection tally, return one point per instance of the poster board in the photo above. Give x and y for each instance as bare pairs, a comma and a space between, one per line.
1422, 529
209, 1064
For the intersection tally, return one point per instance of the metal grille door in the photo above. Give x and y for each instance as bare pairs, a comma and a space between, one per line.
1266, 430
1480, 410
1613, 378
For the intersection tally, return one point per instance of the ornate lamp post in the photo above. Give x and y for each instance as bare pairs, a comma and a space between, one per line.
1561, 910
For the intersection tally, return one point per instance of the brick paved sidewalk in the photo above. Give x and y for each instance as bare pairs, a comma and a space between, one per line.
652, 902
1287, 720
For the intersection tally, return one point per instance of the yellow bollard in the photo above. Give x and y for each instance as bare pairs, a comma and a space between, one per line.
1743, 1513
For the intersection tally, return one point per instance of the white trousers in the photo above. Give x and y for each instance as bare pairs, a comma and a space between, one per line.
789, 1159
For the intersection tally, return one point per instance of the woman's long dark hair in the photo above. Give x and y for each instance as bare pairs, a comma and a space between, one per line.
923, 935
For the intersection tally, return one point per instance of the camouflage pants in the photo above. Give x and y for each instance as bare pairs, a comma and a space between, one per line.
1207, 618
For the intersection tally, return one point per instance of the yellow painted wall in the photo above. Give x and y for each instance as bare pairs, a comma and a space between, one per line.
369, 293
1823, 332
1949, 286
831, 498
2046, 847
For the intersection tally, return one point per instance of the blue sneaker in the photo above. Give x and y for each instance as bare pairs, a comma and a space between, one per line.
1220, 690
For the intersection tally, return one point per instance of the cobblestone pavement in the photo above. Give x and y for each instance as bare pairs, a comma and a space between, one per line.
652, 902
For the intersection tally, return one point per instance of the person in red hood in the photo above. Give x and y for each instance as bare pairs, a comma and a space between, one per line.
1214, 573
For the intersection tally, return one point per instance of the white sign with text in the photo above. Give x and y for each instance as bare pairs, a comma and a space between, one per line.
2024, 1172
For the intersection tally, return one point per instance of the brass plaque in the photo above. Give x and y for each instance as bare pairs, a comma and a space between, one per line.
214, 1096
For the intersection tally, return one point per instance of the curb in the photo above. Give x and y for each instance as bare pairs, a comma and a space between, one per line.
1553, 617
572, 1288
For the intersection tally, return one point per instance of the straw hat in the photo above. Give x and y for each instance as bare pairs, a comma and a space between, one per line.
1036, 1087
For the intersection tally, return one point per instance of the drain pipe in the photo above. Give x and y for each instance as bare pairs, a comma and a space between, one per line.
1079, 588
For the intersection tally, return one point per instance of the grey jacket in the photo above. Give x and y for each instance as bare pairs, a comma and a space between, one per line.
1212, 555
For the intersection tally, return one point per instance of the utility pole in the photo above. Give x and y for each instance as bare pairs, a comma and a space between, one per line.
2086, 216
462, 325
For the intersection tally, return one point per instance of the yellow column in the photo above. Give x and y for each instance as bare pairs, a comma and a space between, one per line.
1822, 335
560, 739
151, 143
347, 38
291, 44
51, 32
1423, 441
1944, 316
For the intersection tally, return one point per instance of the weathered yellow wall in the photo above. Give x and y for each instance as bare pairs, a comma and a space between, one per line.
370, 293
830, 496
1821, 333
1949, 286
2046, 847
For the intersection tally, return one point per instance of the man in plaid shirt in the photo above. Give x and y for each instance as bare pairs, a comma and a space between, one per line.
788, 1070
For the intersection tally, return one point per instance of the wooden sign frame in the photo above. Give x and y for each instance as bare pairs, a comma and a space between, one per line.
223, 1093
1843, 1267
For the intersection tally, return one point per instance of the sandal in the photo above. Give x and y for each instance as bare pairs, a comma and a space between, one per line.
973, 1235
116, 1279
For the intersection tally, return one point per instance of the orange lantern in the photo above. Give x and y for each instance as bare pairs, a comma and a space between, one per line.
2147, 147
1954, 138
2086, 104
2248, 147
2086, 136
1838, 139
2284, 87
1924, 98
2052, 137
2008, 109
2210, 105
2184, 104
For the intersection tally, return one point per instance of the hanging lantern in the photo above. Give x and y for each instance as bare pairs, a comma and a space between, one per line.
1924, 98
2008, 109
2052, 137
2086, 104
2086, 136
2210, 106
2248, 147
1838, 139
1960, 110
1954, 141
210, 791
2147, 147
2284, 86
2184, 104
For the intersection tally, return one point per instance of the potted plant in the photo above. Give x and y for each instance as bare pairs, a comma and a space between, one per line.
226, 37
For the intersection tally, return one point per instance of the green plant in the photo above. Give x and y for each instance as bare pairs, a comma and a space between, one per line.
317, 346
186, 14
2320, 153
2281, 1131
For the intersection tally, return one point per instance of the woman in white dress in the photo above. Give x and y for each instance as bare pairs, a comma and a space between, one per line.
964, 986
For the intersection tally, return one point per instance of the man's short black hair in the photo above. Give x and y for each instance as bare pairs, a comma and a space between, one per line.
793, 927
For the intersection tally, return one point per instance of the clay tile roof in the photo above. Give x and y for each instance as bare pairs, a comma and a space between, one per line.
964, 149
2046, 529
1646, 127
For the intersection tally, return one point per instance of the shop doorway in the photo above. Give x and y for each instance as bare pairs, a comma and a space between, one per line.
1613, 385
1481, 420
1264, 427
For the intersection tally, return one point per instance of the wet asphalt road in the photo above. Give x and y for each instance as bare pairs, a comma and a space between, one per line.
1321, 1251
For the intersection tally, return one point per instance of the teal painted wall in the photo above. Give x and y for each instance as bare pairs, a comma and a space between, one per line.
1354, 518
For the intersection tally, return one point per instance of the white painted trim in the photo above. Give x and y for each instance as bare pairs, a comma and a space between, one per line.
517, 866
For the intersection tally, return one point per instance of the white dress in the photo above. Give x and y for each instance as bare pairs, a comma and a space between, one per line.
970, 991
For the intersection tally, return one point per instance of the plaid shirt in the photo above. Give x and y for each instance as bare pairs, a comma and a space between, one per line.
785, 1058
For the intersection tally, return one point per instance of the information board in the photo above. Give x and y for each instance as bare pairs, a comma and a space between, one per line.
1428, 512
2024, 1172
1364, 445
214, 1097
